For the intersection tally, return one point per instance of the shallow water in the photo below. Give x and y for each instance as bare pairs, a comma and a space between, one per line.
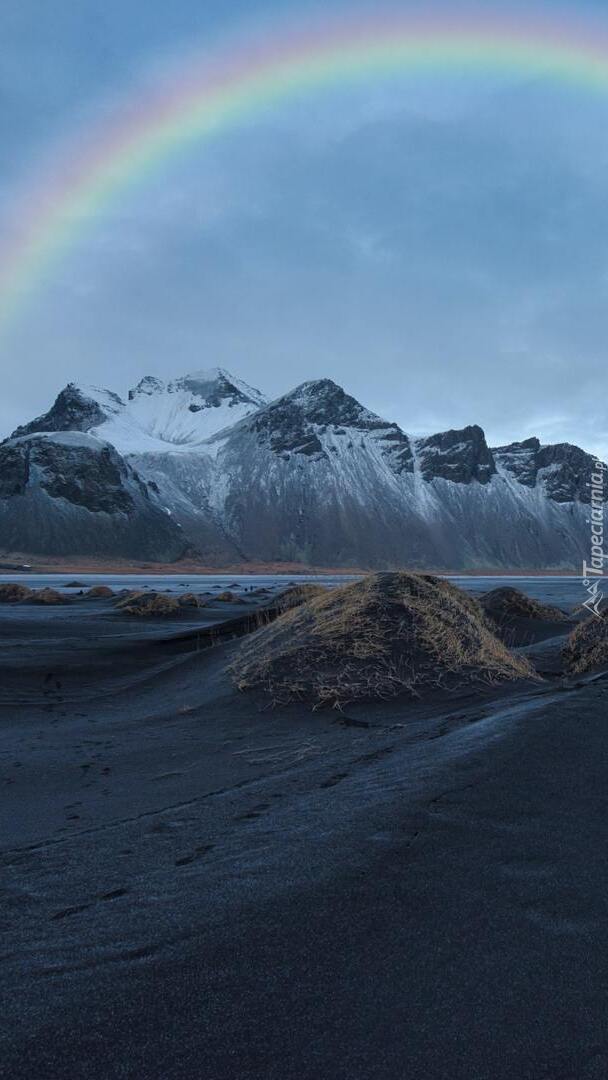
562, 591
175, 582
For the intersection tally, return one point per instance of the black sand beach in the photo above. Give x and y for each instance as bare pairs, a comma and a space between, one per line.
197, 885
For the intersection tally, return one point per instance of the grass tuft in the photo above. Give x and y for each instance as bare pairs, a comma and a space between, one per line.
389, 634
47, 596
587, 646
190, 599
12, 593
148, 605
99, 592
509, 603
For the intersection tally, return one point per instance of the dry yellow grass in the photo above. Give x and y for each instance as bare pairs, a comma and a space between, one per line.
148, 605
508, 603
587, 646
12, 593
190, 599
99, 592
47, 596
130, 597
298, 594
386, 635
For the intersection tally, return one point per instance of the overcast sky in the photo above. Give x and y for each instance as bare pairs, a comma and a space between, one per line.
438, 247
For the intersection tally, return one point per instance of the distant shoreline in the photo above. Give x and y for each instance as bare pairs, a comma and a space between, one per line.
19, 563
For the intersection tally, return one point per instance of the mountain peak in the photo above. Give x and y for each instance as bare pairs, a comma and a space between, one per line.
148, 385
184, 411
319, 418
322, 401
561, 468
460, 455
211, 387
76, 408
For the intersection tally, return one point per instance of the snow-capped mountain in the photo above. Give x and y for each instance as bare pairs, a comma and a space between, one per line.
157, 416
187, 411
69, 493
316, 477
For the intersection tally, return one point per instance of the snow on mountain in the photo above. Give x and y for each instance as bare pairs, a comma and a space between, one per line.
68, 492
157, 416
316, 477
188, 410
562, 470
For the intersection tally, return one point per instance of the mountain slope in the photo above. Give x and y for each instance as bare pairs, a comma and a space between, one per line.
316, 477
68, 493
157, 416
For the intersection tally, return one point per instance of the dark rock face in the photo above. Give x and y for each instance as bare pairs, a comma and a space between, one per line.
460, 456
73, 494
14, 471
295, 422
313, 477
570, 479
563, 469
71, 411
219, 392
520, 459
94, 480
147, 386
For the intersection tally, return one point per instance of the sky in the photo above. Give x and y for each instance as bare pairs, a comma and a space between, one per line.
437, 246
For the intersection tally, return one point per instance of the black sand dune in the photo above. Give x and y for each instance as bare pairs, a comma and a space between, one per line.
388, 635
194, 885
586, 648
520, 620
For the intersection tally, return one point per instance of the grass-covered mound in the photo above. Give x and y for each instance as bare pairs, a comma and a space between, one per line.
386, 635
508, 603
298, 594
190, 599
12, 593
47, 596
228, 597
148, 605
99, 592
587, 646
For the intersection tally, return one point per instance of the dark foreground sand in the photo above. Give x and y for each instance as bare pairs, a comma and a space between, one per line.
195, 886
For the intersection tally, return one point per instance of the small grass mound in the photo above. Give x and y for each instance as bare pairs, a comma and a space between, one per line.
587, 646
47, 596
190, 599
75, 585
386, 635
148, 605
298, 594
228, 597
509, 603
128, 596
12, 593
99, 592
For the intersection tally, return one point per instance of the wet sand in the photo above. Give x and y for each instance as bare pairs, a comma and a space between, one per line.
195, 885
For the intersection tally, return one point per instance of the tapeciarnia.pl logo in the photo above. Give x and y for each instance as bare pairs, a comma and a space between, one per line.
593, 572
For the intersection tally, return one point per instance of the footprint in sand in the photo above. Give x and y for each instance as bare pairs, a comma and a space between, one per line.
333, 780
113, 895
77, 909
202, 849
255, 812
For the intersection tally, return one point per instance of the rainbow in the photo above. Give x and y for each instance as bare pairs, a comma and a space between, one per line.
216, 93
